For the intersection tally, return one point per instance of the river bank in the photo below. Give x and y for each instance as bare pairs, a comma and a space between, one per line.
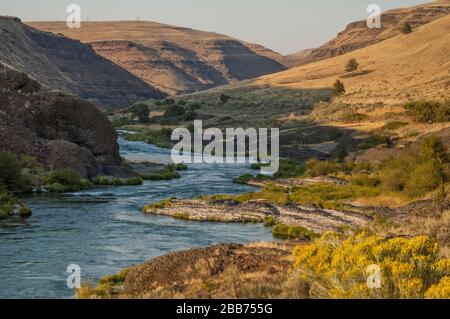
103, 229
258, 211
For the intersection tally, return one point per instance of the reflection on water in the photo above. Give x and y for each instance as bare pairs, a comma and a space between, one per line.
103, 230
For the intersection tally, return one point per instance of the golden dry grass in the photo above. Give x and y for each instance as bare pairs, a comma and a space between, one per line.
405, 67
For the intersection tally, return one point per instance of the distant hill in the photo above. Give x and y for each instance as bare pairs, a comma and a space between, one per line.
70, 66
356, 35
173, 59
406, 67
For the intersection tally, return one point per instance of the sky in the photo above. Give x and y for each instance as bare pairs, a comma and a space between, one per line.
286, 26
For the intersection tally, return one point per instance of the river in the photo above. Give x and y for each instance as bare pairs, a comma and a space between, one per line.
104, 230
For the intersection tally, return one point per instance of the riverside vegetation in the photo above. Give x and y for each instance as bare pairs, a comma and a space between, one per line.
24, 175
396, 176
412, 250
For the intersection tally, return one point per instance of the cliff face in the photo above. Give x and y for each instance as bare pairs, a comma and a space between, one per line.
356, 35
70, 66
59, 130
173, 59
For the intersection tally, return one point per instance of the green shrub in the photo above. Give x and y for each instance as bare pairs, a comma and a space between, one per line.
3, 214
11, 177
169, 101
195, 106
289, 169
168, 173
425, 177
65, 180
315, 168
365, 180
429, 111
134, 181
417, 174
183, 216
115, 181
65, 176
406, 29
57, 188
432, 148
141, 111
338, 88
292, 232
107, 181
431, 171
394, 174
7, 203
164, 175
121, 121
223, 99
102, 180
189, 116
352, 65
24, 211
159, 205
362, 167
174, 110
331, 196
269, 221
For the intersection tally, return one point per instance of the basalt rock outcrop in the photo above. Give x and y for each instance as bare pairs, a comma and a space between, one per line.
58, 130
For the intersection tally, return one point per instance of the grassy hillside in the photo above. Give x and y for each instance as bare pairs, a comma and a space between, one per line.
356, 35
405, 68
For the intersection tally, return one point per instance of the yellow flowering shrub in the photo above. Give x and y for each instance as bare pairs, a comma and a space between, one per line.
440, 290
408, 267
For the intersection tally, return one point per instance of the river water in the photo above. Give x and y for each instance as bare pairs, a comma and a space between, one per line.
104, 230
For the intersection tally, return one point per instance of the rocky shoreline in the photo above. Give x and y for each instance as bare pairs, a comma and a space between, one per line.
258, 211
297, 182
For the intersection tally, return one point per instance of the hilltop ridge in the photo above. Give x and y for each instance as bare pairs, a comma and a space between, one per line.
173, 59
69, 66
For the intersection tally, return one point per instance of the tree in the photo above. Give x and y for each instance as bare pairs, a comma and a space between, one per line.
432, 148
223, 99
407, 28
174, 110
425, 177
338, 88
141, 111
352, 65
10, 172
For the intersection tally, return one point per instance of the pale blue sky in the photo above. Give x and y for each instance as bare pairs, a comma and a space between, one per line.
285, 26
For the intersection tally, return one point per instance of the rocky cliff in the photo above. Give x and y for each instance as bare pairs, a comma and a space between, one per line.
70, 66
173, 59
58, 130
356, 35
